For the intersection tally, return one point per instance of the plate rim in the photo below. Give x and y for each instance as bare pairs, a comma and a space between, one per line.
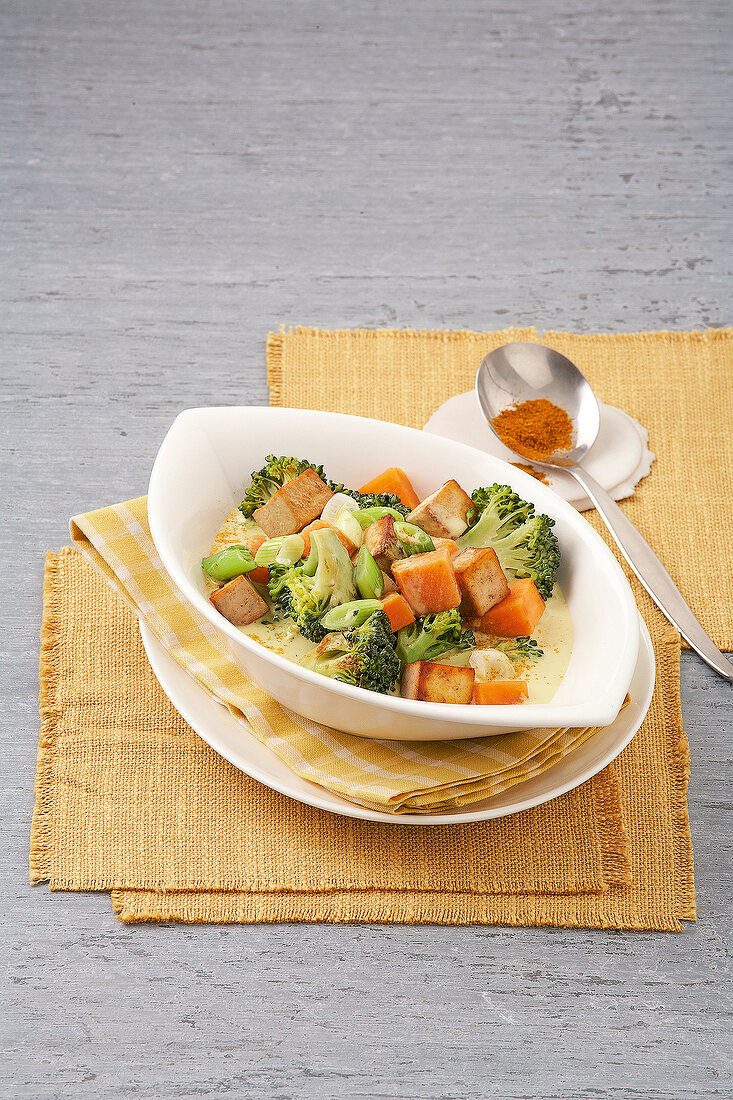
161, 662
576, 497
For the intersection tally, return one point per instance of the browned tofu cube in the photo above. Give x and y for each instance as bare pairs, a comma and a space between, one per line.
481, 580
436, 683
295, 504
239, 602
444, 513
382, 543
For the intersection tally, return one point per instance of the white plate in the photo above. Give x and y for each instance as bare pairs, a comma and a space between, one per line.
233, 740
618, 459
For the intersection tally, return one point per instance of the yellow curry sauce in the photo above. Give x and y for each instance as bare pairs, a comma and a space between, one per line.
554, 633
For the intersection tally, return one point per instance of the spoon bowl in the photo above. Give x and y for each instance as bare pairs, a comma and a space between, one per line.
522, 372
519, 372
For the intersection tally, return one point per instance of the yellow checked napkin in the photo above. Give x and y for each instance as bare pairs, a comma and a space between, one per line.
391, 776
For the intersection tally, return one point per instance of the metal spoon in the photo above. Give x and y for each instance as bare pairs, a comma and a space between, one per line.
522, 372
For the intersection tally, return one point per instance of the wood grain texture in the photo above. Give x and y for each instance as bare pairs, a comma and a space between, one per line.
181, 178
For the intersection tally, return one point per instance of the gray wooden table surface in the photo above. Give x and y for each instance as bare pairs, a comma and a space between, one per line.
180, 178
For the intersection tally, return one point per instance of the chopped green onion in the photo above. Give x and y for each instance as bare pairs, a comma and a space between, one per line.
285, 550
349, 526
291, 550
368, 576
414, 540
232, 562
335, 504
367, 516
350, 614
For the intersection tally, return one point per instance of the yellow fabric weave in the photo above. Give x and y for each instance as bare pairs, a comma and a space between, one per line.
679, 385
130, 800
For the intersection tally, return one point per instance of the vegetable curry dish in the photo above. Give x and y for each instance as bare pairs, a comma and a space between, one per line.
450, 599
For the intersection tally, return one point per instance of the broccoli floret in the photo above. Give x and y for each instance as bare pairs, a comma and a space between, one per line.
524, 541
363, 655
292, 593
305, 592
433, 635
274, 474
505, 505
377, 500
534, 553
520, 650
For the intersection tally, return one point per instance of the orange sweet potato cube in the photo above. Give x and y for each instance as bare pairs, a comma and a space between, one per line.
428, 582
446, 544
436, 683
294, 505
481, 580
516, 615
394, 481
500, 693
397, 610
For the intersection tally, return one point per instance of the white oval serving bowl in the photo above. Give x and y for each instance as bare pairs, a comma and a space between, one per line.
201, 473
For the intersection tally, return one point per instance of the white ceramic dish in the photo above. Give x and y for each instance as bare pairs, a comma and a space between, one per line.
233, 740
201, 472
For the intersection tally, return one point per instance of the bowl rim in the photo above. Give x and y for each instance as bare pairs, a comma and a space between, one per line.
597, 712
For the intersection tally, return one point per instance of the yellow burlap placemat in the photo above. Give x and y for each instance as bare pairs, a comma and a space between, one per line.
129, 800
677, 384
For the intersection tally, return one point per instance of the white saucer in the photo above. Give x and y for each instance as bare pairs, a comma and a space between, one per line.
618, 459
232, 739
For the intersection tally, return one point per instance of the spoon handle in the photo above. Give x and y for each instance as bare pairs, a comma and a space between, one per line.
652, 574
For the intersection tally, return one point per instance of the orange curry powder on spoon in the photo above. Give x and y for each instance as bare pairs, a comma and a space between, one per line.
535, 429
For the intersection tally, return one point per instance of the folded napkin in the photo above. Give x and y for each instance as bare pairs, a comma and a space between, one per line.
390, 776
